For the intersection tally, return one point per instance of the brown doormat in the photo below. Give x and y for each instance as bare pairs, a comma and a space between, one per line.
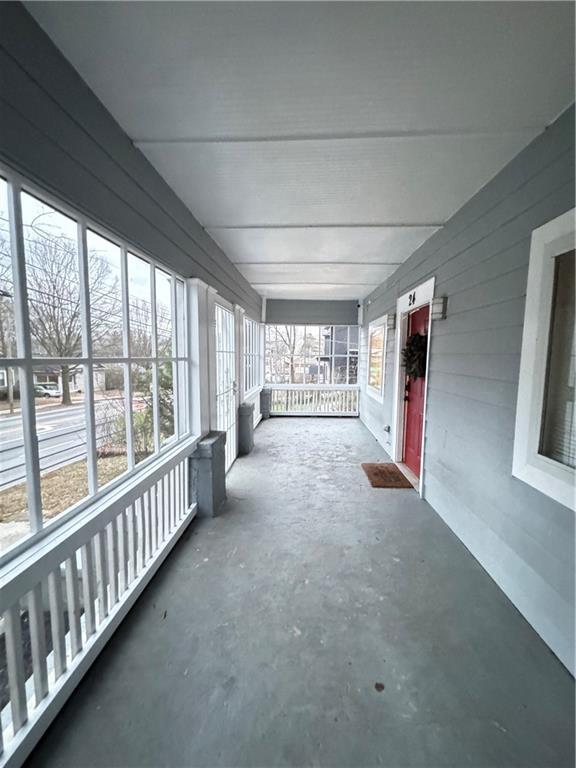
386, 476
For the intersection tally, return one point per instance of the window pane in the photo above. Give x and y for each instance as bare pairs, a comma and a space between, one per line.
163, 313
297, 353
340, 370
183, 397
312, 348
181, 339
52, 275
142, 412
559, 419
340, 339
139, 307
251, 344
247, 372
61, 432
306, 354
353, 368
7, 333
375, 357
353, 338
14, 523
110, 419
105, 277
166, 401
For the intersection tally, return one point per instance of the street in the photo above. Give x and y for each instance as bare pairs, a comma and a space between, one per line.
61, 434
61, 439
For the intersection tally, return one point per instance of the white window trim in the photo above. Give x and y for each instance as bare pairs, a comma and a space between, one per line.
377, 393
546, 475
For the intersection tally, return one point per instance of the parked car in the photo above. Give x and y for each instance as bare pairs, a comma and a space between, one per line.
46, 390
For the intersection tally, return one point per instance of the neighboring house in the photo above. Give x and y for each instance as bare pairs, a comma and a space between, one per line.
52, 374
339, 345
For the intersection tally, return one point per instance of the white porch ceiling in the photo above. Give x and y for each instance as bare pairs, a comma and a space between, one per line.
320, 144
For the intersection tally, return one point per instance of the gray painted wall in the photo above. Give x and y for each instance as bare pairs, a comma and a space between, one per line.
480, 259
55, 131
323, 312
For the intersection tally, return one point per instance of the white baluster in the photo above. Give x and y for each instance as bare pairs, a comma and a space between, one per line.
88, 591
38, 642
112, 559
15, 663
57, 621
73, 600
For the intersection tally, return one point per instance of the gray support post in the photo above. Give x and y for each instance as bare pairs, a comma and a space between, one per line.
208, 474
245, 428
265, 402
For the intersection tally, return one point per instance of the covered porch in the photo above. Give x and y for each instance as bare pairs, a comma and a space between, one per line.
319, 621
258, 245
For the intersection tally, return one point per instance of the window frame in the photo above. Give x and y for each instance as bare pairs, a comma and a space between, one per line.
547, 475
303, 359
377, 393
252, 353
25, 362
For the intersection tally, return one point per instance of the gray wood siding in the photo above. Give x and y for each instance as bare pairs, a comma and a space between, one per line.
480, 260
325, 312
55, 131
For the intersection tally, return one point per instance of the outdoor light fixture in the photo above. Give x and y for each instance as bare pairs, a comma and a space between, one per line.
391, 322
438, 309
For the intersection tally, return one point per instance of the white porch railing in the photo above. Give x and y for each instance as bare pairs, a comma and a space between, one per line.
314, 400
61, 601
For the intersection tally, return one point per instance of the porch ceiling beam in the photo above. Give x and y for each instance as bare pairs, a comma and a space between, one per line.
345, 283
319, 263
349, 225
344, 136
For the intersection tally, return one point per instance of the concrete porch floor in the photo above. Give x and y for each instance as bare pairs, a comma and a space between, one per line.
264, 637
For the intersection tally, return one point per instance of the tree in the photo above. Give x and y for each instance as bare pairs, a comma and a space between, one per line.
285, 346
140, 328
52, 276
111, 419
7, 334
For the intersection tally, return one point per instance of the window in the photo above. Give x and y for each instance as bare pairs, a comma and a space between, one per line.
312, 354
558, 438
545, 435
376, 357
252, 356
95, 382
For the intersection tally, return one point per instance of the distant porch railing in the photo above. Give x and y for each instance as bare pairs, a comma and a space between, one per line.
314, 400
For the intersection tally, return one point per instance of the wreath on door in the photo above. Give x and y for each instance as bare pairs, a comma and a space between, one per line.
414, 356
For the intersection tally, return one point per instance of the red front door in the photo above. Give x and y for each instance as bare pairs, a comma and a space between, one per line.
414, 400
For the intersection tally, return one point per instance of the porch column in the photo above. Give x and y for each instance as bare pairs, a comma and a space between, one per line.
207, 476
201, 308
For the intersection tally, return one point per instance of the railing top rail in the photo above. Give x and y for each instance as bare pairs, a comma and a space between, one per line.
320, 387
21, 574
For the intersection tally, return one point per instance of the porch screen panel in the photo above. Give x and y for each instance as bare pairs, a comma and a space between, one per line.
226, 386
252, 356
311, 354
95, 376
